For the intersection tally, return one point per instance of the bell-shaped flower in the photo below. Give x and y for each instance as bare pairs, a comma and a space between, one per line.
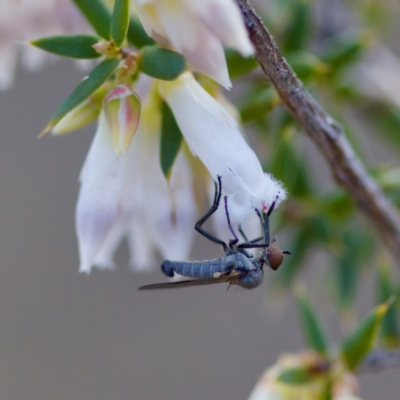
98, 206
122, 110
213, 135
197, 29
128, 195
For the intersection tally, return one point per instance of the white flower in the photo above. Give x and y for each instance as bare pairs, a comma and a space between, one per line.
213, 135
197, 29
25, 20
128, 195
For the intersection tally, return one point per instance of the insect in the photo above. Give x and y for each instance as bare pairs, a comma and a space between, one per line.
238, 267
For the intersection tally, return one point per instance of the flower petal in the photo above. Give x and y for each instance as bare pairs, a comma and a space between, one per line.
213, 136
198, 30
169, 209
98, 204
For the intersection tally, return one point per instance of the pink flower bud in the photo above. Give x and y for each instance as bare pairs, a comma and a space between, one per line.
122, 110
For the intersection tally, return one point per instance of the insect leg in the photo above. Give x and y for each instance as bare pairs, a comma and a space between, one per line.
266, 221
236, 239
243, 234
250, 244
200, 222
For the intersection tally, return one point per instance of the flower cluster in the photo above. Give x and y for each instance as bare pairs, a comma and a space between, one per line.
127, 189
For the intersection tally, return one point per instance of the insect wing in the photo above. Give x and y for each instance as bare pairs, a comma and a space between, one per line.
231, 278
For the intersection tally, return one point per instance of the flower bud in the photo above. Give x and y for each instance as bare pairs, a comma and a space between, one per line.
122, 110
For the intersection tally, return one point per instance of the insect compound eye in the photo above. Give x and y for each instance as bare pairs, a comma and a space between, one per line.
275, 257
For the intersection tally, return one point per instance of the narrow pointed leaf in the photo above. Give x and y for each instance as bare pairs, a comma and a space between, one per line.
389, 330
96, 78
311, 324
161, 63
137, 35
75, 46
359, 343
119, 22
299, 28
81, 115
98, 15
295, 376
171, 139
239, 65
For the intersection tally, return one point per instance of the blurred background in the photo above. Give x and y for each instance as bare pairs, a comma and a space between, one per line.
66, 335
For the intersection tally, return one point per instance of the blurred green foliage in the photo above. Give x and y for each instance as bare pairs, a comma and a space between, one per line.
328, 54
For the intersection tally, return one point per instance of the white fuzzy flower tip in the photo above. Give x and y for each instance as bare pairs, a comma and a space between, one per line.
213, 136
122, 109
198, 29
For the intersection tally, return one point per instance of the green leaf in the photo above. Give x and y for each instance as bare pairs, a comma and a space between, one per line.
389, 330
386, 120
137, 35
289, 165
311, 324
97, 14
96, 78
306, 64
300, 245
258, 104
75, 46
358, 244
161, 63
239, 65
119, 22
295, 376
299, 27
171, 139
359, 343
339, 53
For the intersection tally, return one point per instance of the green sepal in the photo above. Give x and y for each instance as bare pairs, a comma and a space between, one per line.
389, 333
295, 376
171, 140
311, 325
137, 36
88, 86
161, 63
359, 343
119, 22
239, 65
98, 15
75, 46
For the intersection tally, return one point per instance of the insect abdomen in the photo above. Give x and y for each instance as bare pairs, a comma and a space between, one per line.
196, 269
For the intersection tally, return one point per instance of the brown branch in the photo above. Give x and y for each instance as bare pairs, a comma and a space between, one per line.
326, 133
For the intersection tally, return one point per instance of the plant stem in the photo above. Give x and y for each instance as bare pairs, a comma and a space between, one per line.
325, 132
